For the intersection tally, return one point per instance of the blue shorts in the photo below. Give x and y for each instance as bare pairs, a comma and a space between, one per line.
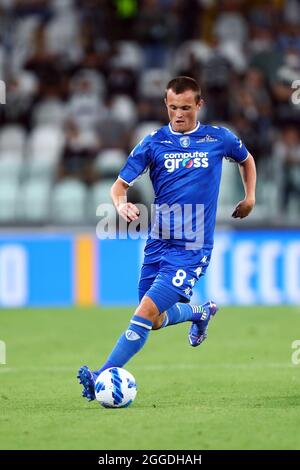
169, 272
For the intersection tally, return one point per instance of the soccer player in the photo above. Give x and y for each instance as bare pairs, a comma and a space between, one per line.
185, 163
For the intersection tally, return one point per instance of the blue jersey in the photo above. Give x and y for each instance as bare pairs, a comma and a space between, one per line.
185, 170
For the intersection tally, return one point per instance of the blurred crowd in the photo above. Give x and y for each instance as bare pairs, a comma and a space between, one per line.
93, 73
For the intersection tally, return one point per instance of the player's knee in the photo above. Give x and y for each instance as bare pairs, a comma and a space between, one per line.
147, 309
159, 321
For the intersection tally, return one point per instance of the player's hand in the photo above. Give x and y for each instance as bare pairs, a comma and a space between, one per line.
243, 208
128, 211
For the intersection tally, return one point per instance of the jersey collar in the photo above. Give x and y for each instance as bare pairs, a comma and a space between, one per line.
183, 133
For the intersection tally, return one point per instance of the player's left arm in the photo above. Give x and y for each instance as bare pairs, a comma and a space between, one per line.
248, 174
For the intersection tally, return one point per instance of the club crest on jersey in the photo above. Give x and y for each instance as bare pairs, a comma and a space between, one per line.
185, 141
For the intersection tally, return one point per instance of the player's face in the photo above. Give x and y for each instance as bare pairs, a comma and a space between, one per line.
182, 110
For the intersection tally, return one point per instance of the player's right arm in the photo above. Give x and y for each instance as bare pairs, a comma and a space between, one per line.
137, 162
118, 192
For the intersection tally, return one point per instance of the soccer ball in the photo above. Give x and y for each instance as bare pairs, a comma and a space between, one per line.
115, 388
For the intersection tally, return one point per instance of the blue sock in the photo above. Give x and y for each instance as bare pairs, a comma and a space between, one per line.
180, 313
129, 343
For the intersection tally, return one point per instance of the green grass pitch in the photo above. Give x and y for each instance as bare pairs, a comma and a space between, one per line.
238, 390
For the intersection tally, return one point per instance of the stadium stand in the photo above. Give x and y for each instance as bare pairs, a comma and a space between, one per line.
85, 81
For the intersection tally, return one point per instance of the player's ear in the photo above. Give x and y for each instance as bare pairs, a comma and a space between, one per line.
200, 103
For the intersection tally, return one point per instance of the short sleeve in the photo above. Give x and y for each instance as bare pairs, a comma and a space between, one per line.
137, 162
235, 150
